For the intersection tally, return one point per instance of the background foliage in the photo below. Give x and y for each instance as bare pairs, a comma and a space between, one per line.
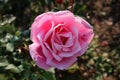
101, 61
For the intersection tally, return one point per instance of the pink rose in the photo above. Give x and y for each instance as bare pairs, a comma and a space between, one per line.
58, 39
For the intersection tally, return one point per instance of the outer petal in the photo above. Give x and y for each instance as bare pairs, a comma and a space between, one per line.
85, 34
84, 47
65, 17
64, 63
85, 30
37, 55
41, 63
41, 24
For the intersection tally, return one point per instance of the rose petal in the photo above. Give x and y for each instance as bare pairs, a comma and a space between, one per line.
84, 47
58, 38
41, 62
64, 17
65, 47
64, 63
49, 54
73, 29
37, 55
57, 46
46, 52
69, 41
85, 34
41, 25
49, 32
57, 57
85, 30
84, 22
75, 49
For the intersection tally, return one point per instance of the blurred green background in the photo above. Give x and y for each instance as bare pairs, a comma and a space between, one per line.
100, 62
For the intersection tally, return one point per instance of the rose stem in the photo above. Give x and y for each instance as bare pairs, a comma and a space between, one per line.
57, 74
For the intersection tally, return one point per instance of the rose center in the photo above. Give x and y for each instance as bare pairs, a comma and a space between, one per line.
64, 39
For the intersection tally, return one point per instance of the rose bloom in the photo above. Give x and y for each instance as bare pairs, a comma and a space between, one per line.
58, 39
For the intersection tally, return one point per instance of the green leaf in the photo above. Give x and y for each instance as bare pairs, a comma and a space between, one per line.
48, 76
2, 77
12, 68
10, 47
17, 33
3, 64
